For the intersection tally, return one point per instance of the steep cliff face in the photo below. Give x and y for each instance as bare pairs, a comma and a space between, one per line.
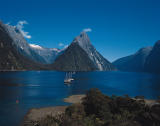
152, 63
17, 54
10, 58
74, 58
135, 62
99, 61
82, 56
34, 52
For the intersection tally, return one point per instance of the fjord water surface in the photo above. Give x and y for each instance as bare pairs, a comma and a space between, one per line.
33, 89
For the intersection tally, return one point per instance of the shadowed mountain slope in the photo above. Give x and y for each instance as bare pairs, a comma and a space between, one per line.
10, 58
135, 62
152, 63
74, 58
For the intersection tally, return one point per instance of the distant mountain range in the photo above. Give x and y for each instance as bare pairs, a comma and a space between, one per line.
134, 62
17, 54
145, 60
80, 55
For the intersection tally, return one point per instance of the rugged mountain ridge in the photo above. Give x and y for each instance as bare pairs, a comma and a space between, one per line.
34, 52
82, 56
100, 62
20, 55
135, 62
17, 54
145, 60
10, 58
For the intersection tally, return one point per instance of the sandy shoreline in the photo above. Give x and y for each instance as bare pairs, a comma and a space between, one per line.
39, 113
35, 114
74, 98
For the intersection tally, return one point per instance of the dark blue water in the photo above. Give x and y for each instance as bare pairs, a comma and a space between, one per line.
46, 88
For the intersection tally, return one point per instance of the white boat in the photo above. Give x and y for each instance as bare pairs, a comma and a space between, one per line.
68, 79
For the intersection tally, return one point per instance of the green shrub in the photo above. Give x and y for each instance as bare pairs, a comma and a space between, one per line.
75, 111
98, 109
97, 103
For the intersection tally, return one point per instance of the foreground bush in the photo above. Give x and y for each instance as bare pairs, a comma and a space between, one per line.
98, 109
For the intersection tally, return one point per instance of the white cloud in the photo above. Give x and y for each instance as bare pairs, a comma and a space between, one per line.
20, 26
60, 44
87, 30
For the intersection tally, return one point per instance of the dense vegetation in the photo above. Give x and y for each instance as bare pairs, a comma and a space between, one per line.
98, 109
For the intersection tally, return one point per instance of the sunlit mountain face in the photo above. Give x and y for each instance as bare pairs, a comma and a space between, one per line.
10, 57
34, 52
81, 54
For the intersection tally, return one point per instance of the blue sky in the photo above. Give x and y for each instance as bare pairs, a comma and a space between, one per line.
119, 27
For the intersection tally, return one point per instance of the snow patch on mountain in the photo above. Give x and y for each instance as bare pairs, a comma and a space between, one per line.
32, 51
35, 46
56, 50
